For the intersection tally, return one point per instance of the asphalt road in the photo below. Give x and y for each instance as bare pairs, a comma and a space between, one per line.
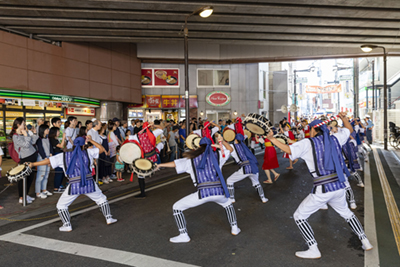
269, 235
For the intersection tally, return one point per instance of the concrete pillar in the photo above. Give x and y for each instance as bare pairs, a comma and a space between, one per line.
110, 110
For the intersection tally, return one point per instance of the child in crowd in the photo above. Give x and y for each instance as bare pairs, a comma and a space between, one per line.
291, 139
119, 166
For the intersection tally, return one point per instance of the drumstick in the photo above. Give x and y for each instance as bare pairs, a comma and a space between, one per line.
222, 149
325, 122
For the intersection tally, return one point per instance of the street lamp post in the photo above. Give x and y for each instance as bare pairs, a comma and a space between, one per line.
368, 48
204, 12
311, 69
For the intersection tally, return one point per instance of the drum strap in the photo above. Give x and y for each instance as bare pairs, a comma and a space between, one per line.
244, 163
195, 176
150, 154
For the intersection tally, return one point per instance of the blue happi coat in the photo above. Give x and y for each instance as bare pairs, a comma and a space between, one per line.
244, 161
208, 182
349, 151
75, 187
327, 178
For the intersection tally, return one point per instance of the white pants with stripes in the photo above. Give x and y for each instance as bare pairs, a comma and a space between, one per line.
313, 202
193, 200
239, 175
66, 200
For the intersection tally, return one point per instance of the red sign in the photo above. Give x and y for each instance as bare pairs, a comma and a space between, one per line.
81, 111
170, 101
327, 89
141, 105
218, 98
192, 102
153, 101
147, 77
166, 77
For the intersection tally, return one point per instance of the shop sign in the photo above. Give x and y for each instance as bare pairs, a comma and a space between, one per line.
142, 105
301, 80
29, 102
81, 111
218, 98
153, 101
61, 98
327, 89
192, 101
147, 77
345, 77
170, 101
166, 77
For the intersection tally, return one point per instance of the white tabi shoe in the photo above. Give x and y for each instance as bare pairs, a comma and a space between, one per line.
65, 228
264, 200
360, 184
311, 253
232, 200
366, 245
182, 238
324, 207
111, 221
235, 230
353, 206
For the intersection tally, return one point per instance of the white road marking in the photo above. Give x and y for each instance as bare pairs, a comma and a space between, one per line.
371, 258
100, 253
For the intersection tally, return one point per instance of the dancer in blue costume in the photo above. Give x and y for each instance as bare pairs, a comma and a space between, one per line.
323, 156
76, 165
204, 166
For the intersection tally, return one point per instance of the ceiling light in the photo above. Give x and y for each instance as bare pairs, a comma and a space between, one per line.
368, 48
205, 12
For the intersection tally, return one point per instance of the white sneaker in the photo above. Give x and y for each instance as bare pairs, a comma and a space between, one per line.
105, 181
361, 169
366, 245
31, 199
109, 180
41, 195
264, 200
65, 228
27, 201
311, 253
47, 193
324, 207
113, 176
235, 230
232, 200
111, 221
182, 238
353, 206
360, 184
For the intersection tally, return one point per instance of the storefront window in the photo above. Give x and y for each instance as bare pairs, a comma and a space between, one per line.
10, 117
213, 78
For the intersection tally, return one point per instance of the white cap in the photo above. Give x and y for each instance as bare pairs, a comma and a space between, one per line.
367, 116
94, 119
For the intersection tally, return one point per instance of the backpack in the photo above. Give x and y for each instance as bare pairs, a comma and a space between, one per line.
13, 153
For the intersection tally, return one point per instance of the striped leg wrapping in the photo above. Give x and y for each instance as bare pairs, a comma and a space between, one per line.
180, 221
306, 231
105, 209
350, 195
231, 214
260, 190
358, 177
231, 189
356, 226
64, 216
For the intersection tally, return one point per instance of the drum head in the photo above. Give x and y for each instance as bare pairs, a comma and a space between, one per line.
189, 140
196, 142
129, 152
247, 133
254, 128
282, 138
17, 169
229, 135
143, 164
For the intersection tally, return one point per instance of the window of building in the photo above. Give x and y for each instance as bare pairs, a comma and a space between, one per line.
213, 78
